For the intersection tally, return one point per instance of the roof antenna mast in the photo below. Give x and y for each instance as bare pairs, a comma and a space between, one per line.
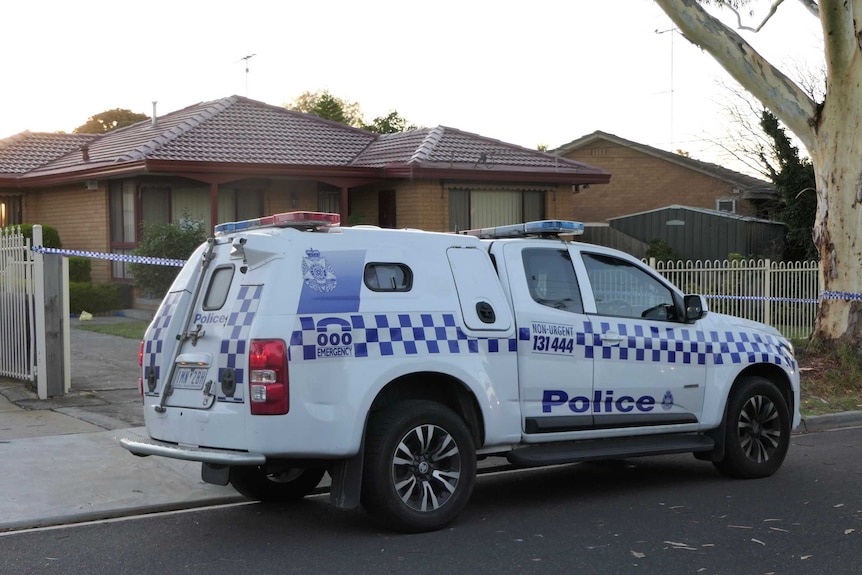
246, 58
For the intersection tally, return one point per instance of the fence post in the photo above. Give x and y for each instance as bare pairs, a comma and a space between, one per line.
767, 292
39, 305
53, 368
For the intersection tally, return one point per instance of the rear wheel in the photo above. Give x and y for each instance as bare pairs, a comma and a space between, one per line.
757, 432
420, 466
287, 485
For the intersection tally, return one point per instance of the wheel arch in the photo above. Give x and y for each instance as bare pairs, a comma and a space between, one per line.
440, 387
768, 371
771, 372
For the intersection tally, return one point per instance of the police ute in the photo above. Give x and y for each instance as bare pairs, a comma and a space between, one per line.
290, 347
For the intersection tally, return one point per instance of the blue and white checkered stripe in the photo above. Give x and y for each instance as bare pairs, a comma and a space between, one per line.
676, 345
393, 334
155, 338
233, 349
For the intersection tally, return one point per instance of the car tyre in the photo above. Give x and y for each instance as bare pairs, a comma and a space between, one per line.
420, 466
757, 432
288, 485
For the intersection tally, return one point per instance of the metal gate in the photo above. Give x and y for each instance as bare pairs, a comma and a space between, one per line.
17, 308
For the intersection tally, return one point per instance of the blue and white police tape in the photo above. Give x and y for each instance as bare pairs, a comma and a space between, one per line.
838, 295
113, 257
764, 298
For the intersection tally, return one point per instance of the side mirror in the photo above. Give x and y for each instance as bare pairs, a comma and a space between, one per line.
695, 307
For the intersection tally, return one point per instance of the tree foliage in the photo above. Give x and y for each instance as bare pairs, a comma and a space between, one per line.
793, 176
324, 105
391, 123
171, 241
110, 120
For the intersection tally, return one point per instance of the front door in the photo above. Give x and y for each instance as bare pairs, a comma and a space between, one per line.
386, 208
650, 367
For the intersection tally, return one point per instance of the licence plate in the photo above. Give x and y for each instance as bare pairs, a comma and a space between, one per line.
190, 378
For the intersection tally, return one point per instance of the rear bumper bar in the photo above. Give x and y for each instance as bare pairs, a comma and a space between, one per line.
214, 456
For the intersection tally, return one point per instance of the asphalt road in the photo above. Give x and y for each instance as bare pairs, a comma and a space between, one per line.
663, 515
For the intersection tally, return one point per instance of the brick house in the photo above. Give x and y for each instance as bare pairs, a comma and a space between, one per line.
646, 178
236, 158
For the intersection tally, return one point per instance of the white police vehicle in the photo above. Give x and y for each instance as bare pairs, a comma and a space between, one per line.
289, 347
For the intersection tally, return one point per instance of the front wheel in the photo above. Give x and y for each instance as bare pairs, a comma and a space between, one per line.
420, 466
287, 485
757, 430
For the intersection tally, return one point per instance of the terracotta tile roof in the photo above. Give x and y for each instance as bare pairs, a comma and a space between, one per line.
28, 151
239, 131
451, 148
231, 130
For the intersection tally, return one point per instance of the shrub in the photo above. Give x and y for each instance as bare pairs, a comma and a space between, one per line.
50, 235
172, 241
99, 298
79, 269
661, 251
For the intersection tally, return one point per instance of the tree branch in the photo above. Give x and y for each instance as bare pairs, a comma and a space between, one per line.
740, 26
757, 75
811, 6
839, 37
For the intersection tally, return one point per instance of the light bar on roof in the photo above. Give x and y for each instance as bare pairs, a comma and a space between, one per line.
284, 220
537, 228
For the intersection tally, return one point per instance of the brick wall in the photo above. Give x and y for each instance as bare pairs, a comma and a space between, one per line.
641, 182
80, 216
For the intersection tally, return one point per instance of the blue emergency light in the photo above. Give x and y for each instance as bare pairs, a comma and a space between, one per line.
540, 228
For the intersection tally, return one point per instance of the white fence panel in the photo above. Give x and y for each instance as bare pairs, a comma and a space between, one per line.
17, 306
781, 294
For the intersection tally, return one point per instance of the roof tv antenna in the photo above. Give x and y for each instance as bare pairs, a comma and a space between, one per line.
246, 58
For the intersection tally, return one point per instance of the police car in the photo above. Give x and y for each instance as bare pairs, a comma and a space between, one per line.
289, 347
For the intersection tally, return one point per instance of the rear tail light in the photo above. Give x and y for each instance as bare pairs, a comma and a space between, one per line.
268, 382
141, 370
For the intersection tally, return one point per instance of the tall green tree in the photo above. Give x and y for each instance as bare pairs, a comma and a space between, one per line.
793, 176
830, 129
110, 120
391, 123
324, 105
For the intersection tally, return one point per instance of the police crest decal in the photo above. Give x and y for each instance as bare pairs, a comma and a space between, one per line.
317, 273
667, 401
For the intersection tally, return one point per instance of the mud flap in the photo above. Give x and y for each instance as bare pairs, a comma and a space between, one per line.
346, 487
215, 474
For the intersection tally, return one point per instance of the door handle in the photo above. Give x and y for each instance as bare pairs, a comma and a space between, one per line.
612, 338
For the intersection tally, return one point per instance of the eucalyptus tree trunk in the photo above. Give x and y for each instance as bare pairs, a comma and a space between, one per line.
831, 131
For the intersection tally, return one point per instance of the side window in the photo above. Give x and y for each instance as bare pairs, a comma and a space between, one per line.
218, 288
388, 277
551, 279
623, 289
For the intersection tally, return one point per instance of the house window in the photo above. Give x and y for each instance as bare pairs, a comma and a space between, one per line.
329, 200
469, 209
123, 238
10, 211
726, 206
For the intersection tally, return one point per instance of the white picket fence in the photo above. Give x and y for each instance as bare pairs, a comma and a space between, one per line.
781, 294
17, 306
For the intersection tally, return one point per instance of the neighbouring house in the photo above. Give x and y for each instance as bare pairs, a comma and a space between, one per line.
236, 158
647, 178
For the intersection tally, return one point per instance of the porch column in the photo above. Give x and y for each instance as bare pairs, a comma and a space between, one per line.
213, 205
344, 204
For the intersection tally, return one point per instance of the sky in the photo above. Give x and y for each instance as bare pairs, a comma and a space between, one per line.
529, 73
